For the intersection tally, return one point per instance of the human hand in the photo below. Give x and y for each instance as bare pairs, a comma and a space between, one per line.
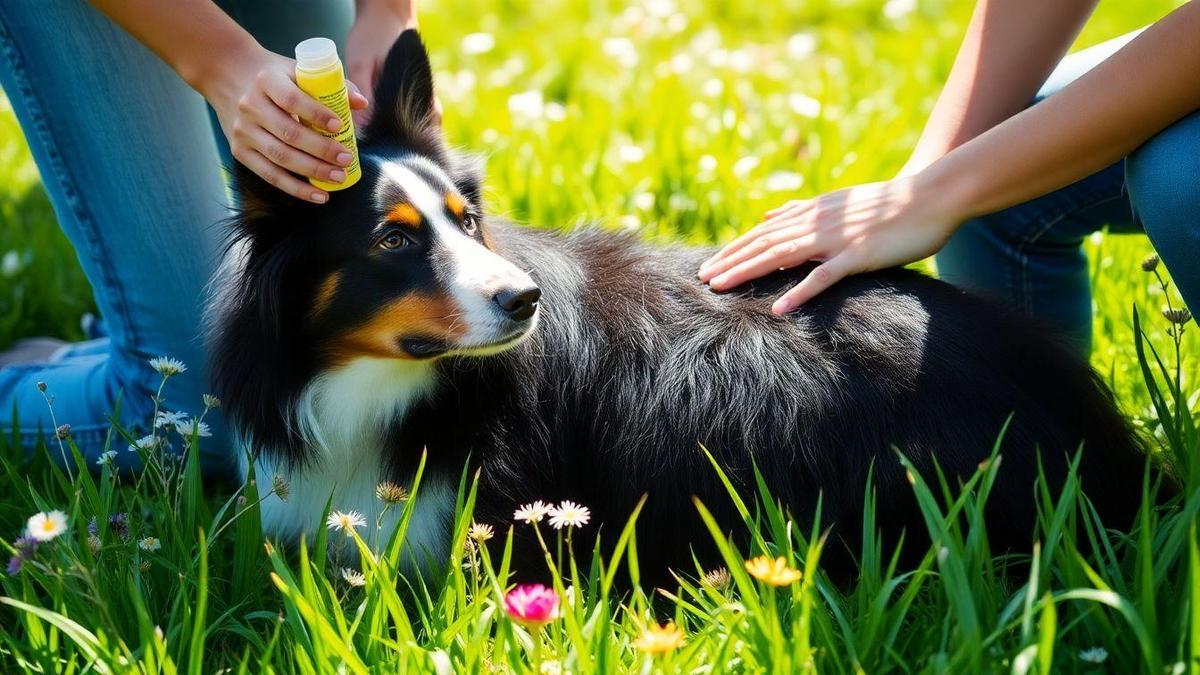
376, 26
858, 229
264, 115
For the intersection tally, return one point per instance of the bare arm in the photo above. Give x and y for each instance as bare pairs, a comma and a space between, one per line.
252, 90
376, 25
1009, 50
1102, 116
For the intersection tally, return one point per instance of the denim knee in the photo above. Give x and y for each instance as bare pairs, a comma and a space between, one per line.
1163, 178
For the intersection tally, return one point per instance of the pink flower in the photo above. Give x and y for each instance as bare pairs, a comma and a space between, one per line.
532, 605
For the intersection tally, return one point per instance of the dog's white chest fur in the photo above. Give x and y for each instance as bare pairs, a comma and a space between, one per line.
342, 415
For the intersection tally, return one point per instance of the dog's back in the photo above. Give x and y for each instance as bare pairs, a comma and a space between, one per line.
636, 365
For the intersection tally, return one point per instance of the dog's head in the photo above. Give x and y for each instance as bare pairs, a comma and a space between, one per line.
398, 266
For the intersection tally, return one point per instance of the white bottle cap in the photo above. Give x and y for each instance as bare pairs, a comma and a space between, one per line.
316, 54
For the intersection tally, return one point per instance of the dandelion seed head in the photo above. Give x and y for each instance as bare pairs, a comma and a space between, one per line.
390, 493
281, 487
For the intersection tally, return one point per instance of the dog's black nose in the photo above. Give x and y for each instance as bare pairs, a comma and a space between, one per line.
518, 303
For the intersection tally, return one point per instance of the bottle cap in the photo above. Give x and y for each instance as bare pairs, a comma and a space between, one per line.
316, 54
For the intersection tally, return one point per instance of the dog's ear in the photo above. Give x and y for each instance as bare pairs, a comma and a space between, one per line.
263, 214
404, 113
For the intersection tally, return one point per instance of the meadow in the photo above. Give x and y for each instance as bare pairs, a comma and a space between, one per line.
685, 121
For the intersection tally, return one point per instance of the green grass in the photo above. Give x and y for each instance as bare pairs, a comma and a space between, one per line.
689, 143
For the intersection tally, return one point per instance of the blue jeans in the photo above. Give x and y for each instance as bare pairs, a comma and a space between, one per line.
1031, 255
132, 166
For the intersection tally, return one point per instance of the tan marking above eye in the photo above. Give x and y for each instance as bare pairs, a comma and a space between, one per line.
405, 214
427, 315
456, 204
325, 292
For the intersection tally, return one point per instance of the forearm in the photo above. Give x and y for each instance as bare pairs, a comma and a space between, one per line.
1010, 48
1101, 117
186, 34
405, 11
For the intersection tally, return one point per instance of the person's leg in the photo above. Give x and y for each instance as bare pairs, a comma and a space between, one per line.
126, 154
1164, 184
1030, 255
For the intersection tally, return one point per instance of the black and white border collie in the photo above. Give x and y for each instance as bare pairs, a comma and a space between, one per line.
591, 366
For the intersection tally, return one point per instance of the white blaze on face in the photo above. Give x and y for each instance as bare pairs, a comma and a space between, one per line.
471, 273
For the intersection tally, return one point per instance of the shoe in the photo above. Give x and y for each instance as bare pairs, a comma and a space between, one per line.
31, 350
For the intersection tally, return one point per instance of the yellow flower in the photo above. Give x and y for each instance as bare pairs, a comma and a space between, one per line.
775, 572
656, 639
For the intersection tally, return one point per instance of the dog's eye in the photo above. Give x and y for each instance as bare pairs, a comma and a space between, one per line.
469, 225
393, 240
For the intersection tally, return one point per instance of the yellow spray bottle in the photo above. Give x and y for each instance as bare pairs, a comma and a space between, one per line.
319, 73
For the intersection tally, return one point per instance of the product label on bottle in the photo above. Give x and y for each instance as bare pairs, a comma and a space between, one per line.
339, 103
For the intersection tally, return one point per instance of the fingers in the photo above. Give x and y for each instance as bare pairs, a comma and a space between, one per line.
734, 253
270, 172
792, 249
293, 100
292, 133
820, 278
358, 101
291, 159
772, 238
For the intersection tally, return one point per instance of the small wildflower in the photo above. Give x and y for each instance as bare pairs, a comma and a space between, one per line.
41, 387
390, 493
211, 401
118, 524
166, 418
774, 572
144, 566
46, 526
1093, 655
281, 487
26, 546
1179, 316
656, 639
63, 432
718, 578
187, 428
353, 577
480, 532
569, 514
167, 366
345, 521
146, 443
1150, 263
94, 543
532, 605
149, 544
106, 457
14, 566
532, 513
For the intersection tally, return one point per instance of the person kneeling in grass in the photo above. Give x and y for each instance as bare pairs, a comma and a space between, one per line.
1004, 193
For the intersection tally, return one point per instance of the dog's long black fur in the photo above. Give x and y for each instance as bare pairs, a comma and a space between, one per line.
635, 364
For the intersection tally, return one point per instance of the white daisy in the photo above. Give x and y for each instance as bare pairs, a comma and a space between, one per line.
353, 577
187, 427
147, 443
106, 457
569, 514
46, 526
532, 513
345, 521
167, 366
166, 418
149, 544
